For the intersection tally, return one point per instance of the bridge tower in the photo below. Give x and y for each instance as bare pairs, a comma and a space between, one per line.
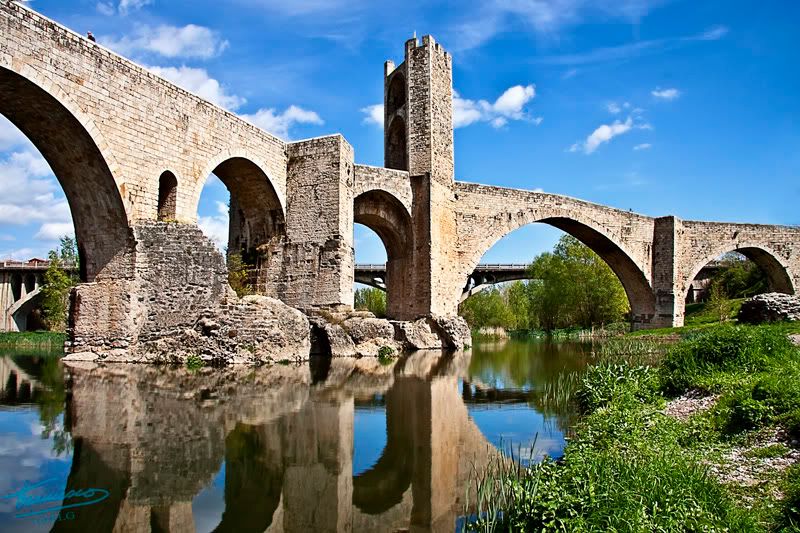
418, 138
418, 111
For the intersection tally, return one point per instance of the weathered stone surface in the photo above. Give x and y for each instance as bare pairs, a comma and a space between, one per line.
454, 331
250, 330
770, 307
418, 335
331, 337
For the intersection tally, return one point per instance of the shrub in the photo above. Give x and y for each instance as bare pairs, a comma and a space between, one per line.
604, 383
194, 362
385, 352
744, 349
791, 503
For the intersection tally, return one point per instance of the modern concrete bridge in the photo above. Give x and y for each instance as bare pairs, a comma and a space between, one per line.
486, 275
133, 151
20, 289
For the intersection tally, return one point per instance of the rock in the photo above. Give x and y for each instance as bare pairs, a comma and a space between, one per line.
371, 334
795, 339
331, 338
454, 331
365, 329
250, 330
81, 356
418, 335
770, 307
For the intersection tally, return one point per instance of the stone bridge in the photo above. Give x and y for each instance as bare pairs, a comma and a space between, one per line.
132, 152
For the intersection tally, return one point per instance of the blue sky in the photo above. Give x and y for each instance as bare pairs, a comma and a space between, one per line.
664, 107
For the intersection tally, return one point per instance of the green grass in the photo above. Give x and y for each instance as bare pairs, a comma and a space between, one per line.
698, 319
629, 467
32, 340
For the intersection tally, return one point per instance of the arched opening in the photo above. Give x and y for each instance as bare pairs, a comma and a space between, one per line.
30, 283
716, 285
396, 95
396, 148
595, 305
388, 218
16, 286
240, 210
94, 200
167, 196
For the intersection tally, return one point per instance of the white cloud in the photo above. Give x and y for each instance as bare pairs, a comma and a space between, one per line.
665, 94
19, 254
713, 34
106, 9
374, 114
29, 193
132, 5
643, 146
605, 133
615, 108
538, 120
280, 123
215, 227
199, 82
190, 41
545, 17
509, 106
52, 231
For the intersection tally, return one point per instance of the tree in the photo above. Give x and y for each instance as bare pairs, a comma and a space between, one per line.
371, 299
574, 287
718, 302
239, 275
58, 283
487, 308
738, 277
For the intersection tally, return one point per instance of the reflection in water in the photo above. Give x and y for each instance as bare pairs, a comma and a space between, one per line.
272, 449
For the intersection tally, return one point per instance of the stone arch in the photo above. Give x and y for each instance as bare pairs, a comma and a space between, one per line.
396, 144
257, 209
386, 215
396, 95
79, 157
776, 270
167, 196
591, 233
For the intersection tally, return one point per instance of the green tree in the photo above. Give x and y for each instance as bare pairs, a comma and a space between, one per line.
718, 302
239, 275
371, 299
58, 282
574, 287
739, 277
487, 308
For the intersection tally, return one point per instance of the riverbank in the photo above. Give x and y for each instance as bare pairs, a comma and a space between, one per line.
32, 340
700, 435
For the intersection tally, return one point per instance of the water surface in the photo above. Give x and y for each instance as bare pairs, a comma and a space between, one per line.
335, 445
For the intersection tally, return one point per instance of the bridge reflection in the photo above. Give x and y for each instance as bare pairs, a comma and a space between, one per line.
156, 438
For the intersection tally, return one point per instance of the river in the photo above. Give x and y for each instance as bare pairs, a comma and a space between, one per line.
334, 445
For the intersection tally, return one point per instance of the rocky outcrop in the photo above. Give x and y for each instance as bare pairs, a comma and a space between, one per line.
250, 330
770, 307
454, 331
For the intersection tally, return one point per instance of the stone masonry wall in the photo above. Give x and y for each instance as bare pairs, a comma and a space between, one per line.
142, 123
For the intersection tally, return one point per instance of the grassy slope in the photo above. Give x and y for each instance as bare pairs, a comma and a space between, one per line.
629, 467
